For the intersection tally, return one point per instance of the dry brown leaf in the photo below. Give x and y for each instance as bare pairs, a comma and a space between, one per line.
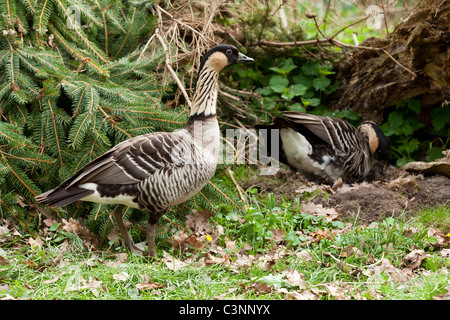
173, 263
318, 210
318, 235
244, 259
55, 278
209, 259
35, 243
304, 255
149, 285
299, 295
3, 261
350, 250
92, 285
261, 287
123, 276
413, 259
397, 275
295, 278
443, 296
278, 235
442, 239
197, 221
445, 253
230, 245
121, 258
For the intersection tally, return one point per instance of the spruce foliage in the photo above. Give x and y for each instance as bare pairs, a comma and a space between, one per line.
72, 85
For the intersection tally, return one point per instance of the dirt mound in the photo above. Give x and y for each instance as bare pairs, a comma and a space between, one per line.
405, 194
399, 192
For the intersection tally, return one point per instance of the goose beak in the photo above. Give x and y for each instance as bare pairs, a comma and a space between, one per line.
244, 58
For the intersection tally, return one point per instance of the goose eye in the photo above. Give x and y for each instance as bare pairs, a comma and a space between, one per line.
229, 51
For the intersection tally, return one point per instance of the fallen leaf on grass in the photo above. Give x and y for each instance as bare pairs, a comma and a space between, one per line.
445, 253
173, 263
121, 258
318, 210
3, 261
149, 285
413, 259
55, 278
258, 287
350, 251
210, 259
299, 295
277, 235
443, 240
92, 285
35, 243
385, 266
295, 278
443, 296
123, 276
197, 221
304, 255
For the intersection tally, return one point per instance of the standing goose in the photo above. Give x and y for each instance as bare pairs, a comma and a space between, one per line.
157, 170
325, 149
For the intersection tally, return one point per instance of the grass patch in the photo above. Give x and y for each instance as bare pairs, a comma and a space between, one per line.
272, 251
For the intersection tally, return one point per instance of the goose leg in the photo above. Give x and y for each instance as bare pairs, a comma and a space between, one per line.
127, 241
151, 233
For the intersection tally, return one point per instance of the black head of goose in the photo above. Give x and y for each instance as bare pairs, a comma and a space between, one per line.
156, 170
325, 149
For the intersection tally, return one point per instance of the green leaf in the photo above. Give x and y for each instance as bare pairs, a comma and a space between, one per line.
321, 83
414, 105
297, 107
285, 67
440, 117
298, 89
313, 102
264, 91
278, 83
311, 68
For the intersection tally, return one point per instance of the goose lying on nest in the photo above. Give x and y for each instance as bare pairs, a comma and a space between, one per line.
325, 149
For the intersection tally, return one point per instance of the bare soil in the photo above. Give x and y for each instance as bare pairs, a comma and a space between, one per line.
395, 193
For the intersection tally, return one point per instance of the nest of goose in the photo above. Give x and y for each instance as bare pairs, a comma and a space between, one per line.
397, 192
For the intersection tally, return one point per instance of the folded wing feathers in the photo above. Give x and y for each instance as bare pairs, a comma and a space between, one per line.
336, 132
130, 162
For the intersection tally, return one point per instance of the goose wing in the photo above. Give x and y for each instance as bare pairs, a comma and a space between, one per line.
133, 160
336, 132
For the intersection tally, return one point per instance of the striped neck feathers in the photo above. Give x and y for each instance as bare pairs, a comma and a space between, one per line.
205, 96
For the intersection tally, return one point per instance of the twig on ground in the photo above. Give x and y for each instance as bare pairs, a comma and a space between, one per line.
238, 187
